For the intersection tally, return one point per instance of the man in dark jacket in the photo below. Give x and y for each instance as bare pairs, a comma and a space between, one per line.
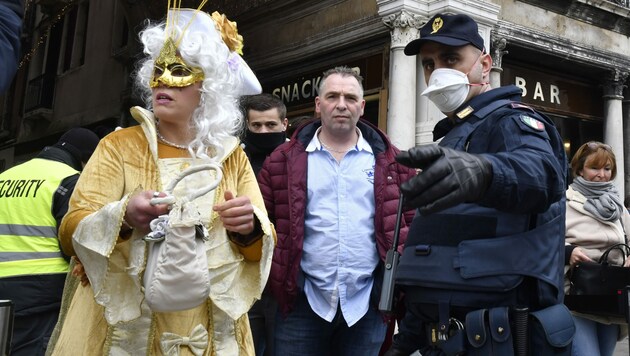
33, 199
11, 12
266, 127
332, 192
266, 120
485, 250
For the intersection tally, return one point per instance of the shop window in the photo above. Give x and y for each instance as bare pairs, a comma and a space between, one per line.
576, 131
43, 64
59, 46
295, 122
299, 115
370, 113
120, 31
73, 37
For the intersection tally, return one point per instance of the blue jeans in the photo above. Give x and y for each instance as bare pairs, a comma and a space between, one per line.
304, 333
593, 338
261, 319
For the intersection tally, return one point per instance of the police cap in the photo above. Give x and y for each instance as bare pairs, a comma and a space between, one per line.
451, 30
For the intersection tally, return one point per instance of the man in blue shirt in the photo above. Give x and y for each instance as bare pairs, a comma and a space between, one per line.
332, 192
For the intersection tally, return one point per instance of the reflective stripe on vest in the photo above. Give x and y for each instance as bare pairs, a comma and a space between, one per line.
28, 232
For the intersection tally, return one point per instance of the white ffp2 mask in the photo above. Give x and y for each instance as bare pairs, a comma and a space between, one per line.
447, 89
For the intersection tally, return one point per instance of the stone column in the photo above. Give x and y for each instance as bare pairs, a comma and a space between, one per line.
497, 52
401, 120
626, 135
427, 114
613, 121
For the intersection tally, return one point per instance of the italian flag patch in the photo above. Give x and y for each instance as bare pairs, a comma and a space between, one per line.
533, 123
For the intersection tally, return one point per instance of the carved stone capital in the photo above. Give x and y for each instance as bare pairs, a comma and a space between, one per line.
614, 84
403, 19
498, 51
404, 27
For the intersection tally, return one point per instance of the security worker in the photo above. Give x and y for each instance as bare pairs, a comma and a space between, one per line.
482, 266
33, 199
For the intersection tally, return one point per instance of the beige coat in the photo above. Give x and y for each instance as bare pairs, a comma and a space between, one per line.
110, 316
594, 237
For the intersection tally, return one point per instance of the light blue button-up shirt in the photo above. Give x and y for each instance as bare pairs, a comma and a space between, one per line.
339, 253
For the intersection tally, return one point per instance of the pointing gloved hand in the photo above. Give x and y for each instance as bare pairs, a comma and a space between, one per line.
448, 177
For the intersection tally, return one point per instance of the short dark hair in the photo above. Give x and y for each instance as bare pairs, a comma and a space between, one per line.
343, 71
262, 102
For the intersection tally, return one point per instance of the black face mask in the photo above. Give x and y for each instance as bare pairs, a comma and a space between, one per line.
265, 142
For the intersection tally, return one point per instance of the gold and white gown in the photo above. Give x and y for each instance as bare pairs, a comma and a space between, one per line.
109, 316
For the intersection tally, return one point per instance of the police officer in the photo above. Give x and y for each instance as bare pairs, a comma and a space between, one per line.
483, 262
33, 199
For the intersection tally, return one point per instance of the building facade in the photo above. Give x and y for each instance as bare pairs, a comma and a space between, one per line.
570, 57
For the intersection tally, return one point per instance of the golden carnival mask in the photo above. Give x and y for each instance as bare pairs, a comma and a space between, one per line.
171, 70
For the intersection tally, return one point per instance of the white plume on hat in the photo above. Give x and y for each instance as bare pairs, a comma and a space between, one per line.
199, 21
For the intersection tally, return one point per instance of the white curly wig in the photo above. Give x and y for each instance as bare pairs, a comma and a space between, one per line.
218, 115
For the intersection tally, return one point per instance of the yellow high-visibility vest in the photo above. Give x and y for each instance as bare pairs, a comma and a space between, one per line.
28, 230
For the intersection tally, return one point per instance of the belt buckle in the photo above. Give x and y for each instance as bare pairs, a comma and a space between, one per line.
454, 326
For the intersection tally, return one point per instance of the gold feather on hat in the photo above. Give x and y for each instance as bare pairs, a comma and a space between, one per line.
229, 32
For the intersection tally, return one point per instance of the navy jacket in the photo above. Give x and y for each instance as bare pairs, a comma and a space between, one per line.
10, 28
508, 247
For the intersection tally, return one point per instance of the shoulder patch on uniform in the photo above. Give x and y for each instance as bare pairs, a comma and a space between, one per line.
465, 112
533, 123
516, 105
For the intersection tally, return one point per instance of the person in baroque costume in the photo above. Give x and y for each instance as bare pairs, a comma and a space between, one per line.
191, 78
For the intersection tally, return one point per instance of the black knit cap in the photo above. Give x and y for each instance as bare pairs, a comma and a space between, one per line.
80, 142
451, 30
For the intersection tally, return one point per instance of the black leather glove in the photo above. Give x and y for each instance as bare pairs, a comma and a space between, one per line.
448, 177
394, 351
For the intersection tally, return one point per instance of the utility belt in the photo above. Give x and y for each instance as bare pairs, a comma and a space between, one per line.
503, 331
